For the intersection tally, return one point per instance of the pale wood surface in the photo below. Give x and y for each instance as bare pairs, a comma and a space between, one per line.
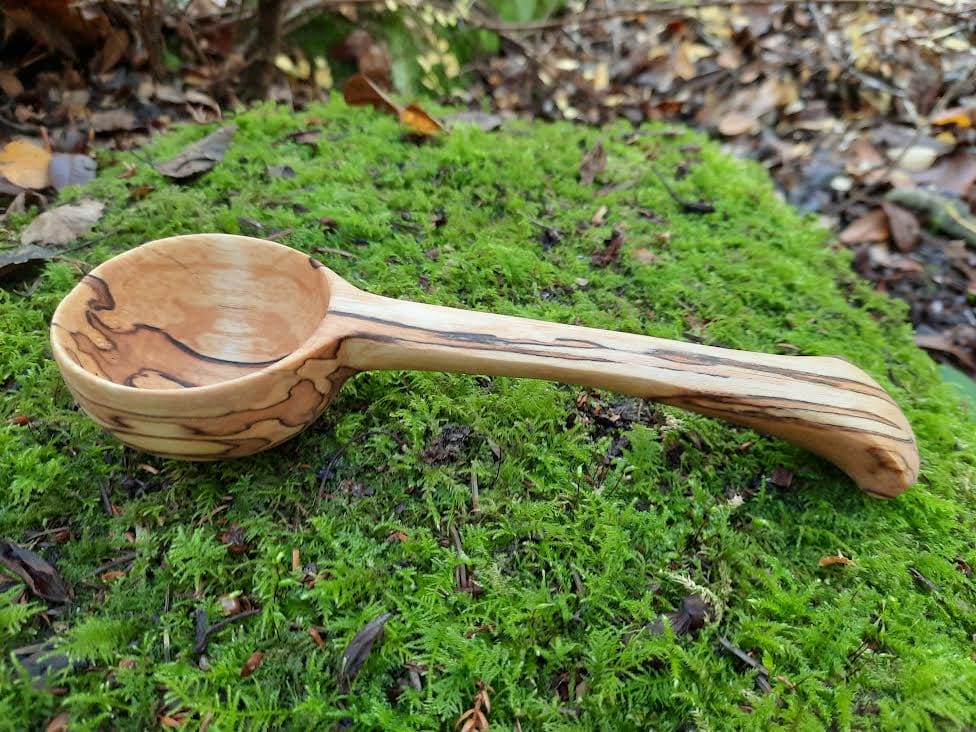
214, 346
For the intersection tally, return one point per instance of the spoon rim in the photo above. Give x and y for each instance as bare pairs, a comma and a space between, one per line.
78, 373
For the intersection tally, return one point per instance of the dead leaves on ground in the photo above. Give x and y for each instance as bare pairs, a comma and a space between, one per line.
361, 90
40, 577
476, 717
64, 224
199, 157
359, 649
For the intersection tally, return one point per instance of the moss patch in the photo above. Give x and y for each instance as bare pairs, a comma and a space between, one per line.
596, 514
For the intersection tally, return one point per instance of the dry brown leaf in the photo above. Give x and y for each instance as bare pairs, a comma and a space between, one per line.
251, 665
904, 227
871, 227
112, 575
114, 48
360, 90
112, 120
593, 163
419, 121
10, 84
317, 637
59, 723
954, 173
25, 164
645, 256
964, 117
734, 124
199, 157
63, 224
610, 251
834, 559
42, 579
943, 343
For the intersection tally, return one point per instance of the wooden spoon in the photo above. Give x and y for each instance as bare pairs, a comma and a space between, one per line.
215, 346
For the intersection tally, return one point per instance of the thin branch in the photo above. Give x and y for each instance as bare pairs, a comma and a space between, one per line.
667, 8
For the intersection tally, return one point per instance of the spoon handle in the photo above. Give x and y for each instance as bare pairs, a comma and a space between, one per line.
824, 404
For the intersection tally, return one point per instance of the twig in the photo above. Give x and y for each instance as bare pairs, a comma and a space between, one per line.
666, 8
686, 206
106, 500
121, 559
762, 673
201, 645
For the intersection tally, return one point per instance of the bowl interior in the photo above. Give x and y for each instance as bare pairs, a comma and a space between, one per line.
191, 311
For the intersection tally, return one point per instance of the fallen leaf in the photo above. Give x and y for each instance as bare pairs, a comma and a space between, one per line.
687, 619
112, 575
59, 723
916, 159
396, 536
599, 216
317, 637
10, 84
68, 169
942, 343
41, 578
610, 250
140, 192
25, 164
309, 137
414, 117
781, 477
199, 157
281, 171
954, 173
113, 120
235, 539
593, 163
11, 263
360, 89
485, 120
904, 227
251, 665
734, 124
645, 256
359, 649
63, 224
833, 559
447, 445
171, 722
964, 117
871, 227
114, 48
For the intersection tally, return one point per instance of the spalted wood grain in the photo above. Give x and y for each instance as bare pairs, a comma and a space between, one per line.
213, 346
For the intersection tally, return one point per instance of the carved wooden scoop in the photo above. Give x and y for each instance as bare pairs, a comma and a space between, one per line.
214, 346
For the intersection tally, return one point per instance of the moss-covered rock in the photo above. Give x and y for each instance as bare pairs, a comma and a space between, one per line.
596, 514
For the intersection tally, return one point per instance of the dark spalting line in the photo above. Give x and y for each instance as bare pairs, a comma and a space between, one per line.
105, 329
661, 353
149, 372
104, 300
708, 408
784, 402
481, 346
759, 402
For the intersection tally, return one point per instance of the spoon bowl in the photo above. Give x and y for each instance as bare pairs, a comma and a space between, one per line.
214, 346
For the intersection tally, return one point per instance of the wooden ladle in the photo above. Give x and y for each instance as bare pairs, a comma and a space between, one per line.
214, 346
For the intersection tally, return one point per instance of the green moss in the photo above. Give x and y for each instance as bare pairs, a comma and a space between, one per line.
577, 545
